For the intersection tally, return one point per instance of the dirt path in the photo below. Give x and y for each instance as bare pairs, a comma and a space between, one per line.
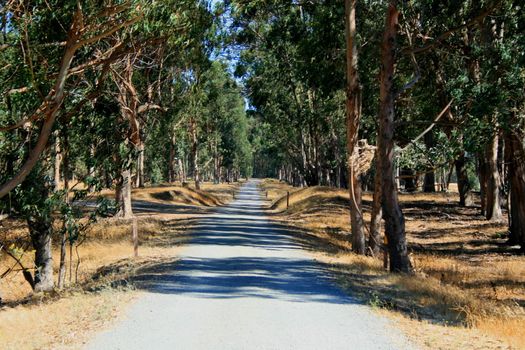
242, 283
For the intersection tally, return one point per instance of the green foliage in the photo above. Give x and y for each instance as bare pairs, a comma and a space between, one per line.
292, 64
289, 65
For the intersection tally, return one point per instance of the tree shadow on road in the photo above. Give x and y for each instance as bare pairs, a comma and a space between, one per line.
282, 274
226, 278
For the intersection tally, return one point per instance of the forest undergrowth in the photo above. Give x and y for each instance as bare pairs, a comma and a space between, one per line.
468, 286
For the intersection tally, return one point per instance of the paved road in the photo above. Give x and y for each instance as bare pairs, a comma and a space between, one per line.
242, 283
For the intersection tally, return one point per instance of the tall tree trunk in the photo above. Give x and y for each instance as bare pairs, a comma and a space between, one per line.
92, 168
182, 170
429, 184
40, 230
62, 265
63, 242
515, 159
140, 165
195, 153
123, 195
304, 159
171, 162
394, 219
492, 181
216, 164
464, 187
58, 164
353, 116
493, 205
374, 241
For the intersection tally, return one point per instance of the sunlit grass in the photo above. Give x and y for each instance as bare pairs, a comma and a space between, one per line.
64, 323
65, 318
461, 278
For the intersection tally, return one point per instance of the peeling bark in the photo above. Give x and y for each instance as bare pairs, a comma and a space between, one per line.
353, 116
492, 205
140, 165
394, 219
123, 195
57, 165
515, 159
40, 231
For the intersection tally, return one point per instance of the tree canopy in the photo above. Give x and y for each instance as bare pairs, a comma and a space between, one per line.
118, 94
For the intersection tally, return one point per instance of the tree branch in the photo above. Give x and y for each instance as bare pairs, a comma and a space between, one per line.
444, 36
108, 32
417, 72
442, 113
149, 107
52, 104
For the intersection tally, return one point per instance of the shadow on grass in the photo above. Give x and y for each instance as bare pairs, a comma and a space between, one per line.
372, 287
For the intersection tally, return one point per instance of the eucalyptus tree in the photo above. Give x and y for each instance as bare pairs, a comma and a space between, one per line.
419, 39
441, 65
504, 98
57, 60
477, 65
226, 125
141, 76
353, 118
47, 53
289, 61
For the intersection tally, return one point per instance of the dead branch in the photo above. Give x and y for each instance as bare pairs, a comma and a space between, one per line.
441, 114
25, 271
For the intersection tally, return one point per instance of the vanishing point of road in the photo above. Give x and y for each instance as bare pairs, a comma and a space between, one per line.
243, 283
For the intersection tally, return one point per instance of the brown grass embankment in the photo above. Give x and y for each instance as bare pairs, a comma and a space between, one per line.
466, 278
209, 195
65, 318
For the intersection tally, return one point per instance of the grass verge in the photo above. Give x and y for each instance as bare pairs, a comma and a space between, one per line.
63, 323
97, 285
468, 290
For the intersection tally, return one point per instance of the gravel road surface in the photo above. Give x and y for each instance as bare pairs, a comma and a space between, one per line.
243, 283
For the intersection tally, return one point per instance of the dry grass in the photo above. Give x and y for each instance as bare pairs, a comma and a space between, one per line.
209, 195
64, 323
106, 257
107, 241
429, 335
465, 275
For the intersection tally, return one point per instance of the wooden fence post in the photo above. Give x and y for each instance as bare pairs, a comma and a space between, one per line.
287, 199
